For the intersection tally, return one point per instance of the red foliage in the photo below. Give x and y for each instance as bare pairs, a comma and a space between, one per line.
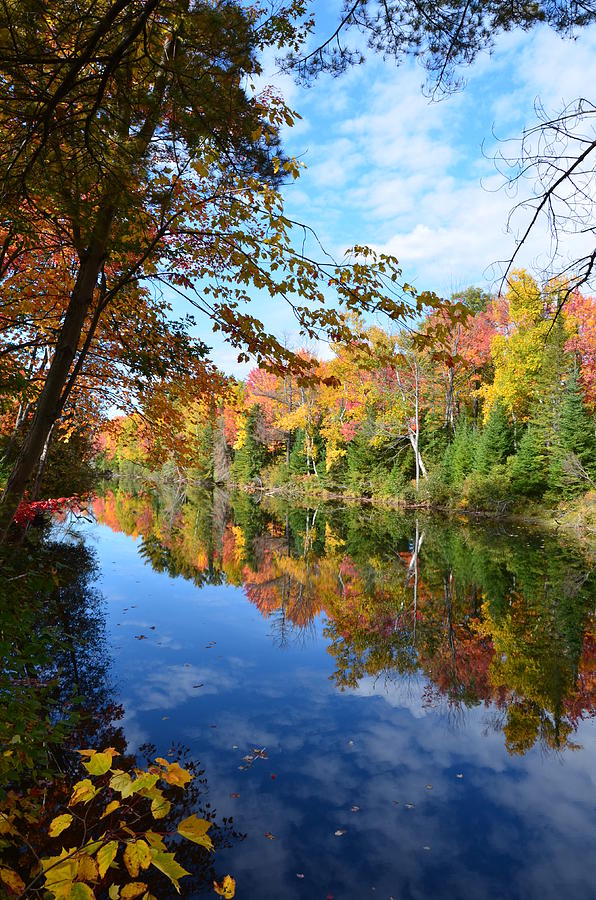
27, 510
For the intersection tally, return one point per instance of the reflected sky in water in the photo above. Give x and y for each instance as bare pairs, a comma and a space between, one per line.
387, 787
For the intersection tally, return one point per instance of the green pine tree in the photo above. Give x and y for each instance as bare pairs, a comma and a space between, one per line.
496, 441
574, 446
529, 474
298, 454
463, 451
250, 460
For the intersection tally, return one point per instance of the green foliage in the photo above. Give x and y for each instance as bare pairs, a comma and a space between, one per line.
476, 299
490, 492
368, 464
251, 458
573, 462
460, 456
529, 470
496, 441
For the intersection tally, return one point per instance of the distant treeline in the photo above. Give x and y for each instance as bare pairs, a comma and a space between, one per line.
498, 407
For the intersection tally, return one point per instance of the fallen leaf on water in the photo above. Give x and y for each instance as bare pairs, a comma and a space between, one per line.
269, 835
164, 718
248, 758
299, 874
226, 888
140, 637
427, 848
152, 627
429, 787
234, 796
234, 746
339, 832
198, 685
459, 775
409, 806
273, 776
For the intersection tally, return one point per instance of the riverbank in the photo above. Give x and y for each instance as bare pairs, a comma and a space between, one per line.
575, 517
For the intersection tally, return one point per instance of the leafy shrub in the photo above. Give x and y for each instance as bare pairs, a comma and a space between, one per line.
491, 492
118, 831
434, 489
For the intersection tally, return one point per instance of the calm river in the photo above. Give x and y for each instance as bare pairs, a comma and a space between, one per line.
386, 706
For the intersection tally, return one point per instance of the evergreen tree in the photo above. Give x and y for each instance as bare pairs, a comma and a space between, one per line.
530, 465
298, 454
496, 441
252, 457
574, 450
463, 451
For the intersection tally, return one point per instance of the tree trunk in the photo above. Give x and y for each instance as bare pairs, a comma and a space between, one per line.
49, 405
43, 460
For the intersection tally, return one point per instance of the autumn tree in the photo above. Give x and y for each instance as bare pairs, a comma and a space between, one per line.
135, 154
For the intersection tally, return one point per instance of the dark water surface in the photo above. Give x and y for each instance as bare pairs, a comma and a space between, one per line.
423, 692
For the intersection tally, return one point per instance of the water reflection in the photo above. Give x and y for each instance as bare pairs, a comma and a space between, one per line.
486, 614
57, 695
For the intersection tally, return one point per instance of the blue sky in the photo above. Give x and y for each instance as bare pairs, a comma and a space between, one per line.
389, 168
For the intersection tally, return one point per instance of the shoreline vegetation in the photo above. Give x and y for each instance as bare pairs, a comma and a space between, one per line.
574, 518
496, 420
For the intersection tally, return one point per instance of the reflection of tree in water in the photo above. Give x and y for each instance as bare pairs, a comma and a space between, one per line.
490, 616
56, 696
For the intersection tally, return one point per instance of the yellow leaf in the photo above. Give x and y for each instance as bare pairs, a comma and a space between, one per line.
6, 824
121, 782
80, 891
174, 774
136, 856
110, 808
134, 889
60, 872
160, 807
155, 840
99, 763
59, 824
167, 864
83, 791
144, 782
87, 870
195, 830
105, 857
114, 892
227, 888
12, 880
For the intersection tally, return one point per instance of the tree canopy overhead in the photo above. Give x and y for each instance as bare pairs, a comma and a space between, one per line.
138, 155
444, 34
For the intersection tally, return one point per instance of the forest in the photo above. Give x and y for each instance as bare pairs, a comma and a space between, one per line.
502, 415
